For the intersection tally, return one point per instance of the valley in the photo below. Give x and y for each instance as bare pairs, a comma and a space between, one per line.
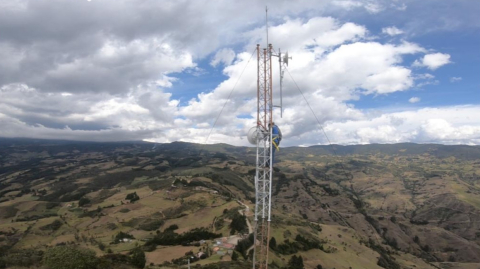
365, 206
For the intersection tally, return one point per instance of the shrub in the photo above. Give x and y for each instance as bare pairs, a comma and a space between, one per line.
171, 228
300, 244
83, 201
149, 248
244, 244
8, 212
51, 205
22, 257
272, 243
170, 238
219, 223
416, 239
112, 226
239, 223
121, 235
392, 242
295, 262
132, 197
66, 257
138, 258
55, 225
419, 222
151, 225
234, 256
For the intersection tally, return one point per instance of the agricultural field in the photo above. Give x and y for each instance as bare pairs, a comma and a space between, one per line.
375, 206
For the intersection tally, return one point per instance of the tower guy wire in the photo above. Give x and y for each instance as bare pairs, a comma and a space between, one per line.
228, 98
344, 170
318, 121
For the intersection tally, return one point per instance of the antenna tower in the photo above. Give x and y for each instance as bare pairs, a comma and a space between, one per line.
261, 136
263, 171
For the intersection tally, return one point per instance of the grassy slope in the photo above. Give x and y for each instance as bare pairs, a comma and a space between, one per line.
397, 184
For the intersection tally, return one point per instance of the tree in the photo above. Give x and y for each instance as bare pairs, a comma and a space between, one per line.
172, 228
121, 235
138, 258
295, 262
416, 239
67, 257
234, 256
239, 223
20, 257
244, 244
55, 225
272, 243
83, 201
132, 197
392, 242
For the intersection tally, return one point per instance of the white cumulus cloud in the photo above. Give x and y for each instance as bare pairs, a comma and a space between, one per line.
223, 56
445, 125
391, 80
392, 31
433, 61
124, 76
414, 100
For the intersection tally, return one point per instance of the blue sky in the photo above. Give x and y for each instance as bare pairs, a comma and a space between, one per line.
373, 71
457, 82
190, 83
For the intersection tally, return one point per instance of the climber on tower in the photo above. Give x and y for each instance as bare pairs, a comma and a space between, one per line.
276, 138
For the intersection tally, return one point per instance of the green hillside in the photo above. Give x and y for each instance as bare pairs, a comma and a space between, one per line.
122, 205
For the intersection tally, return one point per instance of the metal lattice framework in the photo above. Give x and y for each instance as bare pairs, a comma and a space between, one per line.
263, 174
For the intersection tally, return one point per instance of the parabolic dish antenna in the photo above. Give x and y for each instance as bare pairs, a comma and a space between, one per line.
253, 135
285, 58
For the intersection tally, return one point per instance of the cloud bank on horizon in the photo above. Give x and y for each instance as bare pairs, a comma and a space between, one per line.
373, 72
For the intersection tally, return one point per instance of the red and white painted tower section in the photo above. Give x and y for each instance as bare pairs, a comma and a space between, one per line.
263, 174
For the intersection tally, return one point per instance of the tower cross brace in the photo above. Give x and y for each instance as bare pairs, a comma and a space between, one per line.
263, 171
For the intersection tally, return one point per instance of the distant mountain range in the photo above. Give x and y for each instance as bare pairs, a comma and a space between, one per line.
403, 149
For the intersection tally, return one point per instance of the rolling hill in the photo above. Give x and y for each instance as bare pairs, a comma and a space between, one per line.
365, 206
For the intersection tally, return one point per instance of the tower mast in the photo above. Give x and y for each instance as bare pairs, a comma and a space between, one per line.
263, 171
263, 138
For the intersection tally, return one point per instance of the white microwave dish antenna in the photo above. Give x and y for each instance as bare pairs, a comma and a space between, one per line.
253, 135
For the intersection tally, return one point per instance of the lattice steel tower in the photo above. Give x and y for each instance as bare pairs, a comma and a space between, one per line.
263, 174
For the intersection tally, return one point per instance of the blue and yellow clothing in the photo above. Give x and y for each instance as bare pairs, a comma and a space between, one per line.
276, 138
